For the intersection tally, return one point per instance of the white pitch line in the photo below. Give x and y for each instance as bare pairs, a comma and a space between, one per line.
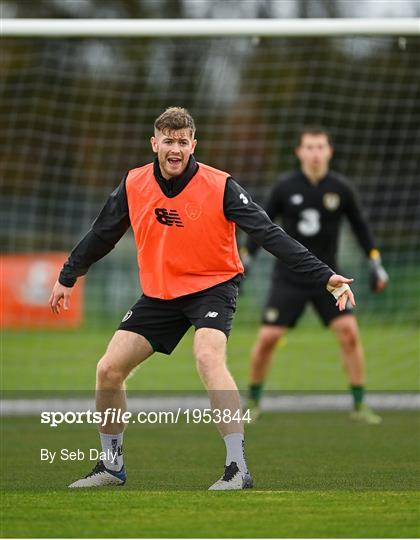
279, 403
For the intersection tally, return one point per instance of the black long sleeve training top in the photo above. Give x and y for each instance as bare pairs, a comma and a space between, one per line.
113, 221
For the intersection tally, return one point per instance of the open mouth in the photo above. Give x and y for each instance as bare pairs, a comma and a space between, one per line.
174, 161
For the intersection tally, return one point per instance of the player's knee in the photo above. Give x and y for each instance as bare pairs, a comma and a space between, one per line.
208, 362
107, 374
348, 337
269, 337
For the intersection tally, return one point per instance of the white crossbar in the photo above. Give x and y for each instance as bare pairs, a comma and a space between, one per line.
207, 27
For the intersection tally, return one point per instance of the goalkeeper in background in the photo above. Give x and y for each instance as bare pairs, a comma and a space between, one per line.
311, 203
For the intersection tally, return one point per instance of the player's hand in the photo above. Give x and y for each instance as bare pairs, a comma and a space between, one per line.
378, 276
58, 294
338, 286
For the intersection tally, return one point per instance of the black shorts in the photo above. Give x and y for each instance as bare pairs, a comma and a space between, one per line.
164, 322
286, 302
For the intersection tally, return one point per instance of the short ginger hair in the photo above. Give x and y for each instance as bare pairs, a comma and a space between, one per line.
174, 119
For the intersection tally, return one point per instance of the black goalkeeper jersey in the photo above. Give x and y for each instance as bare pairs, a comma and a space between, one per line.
312, 214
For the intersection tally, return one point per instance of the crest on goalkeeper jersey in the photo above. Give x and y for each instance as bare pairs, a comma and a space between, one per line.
296, 198
331, 201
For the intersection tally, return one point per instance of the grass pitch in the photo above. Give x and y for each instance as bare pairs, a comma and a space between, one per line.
136, 514
316, 475
308, 360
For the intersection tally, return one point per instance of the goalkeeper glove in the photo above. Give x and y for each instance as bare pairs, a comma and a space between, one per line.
378, 277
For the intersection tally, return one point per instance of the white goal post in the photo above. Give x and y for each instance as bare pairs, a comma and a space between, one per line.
209, 27
79, 97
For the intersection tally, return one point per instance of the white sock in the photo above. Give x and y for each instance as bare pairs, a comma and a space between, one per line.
235, 450
112, 447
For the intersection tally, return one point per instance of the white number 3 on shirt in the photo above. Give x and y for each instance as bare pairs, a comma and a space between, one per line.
310, 222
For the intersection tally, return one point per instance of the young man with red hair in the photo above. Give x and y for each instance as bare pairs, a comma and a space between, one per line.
183, 215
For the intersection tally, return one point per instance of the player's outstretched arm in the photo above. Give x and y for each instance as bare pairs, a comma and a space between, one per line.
110, 225
252, 219
59, 294
338, 286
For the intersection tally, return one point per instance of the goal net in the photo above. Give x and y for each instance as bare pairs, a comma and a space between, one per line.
78, 113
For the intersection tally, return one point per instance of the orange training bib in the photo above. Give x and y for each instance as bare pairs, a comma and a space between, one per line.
185, 243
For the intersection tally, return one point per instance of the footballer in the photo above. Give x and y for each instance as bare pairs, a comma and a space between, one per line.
183, 216
312, 203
